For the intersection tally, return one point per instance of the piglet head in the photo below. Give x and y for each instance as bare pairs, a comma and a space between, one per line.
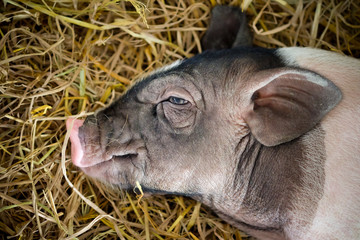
157, 134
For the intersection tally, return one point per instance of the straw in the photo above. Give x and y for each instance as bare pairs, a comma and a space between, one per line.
69, 58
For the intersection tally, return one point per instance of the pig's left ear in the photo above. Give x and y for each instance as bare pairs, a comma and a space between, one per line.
289, 103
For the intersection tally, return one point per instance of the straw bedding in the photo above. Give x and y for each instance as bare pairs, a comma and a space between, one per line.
72, 57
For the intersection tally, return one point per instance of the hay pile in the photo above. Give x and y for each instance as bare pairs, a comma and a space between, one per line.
71, 57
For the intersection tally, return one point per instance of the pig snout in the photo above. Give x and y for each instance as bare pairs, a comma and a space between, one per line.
85, 142
101, 139
77, 152
102, 147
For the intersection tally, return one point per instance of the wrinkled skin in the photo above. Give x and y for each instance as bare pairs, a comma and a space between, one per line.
231, 128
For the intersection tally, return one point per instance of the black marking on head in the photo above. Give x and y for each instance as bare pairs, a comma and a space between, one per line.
277, 178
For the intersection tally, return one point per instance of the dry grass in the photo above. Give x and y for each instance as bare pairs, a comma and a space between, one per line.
71, 57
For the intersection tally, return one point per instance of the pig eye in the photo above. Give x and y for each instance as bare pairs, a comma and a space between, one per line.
177, 100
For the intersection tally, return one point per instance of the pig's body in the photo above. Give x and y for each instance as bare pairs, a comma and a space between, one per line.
269, 139
338, 212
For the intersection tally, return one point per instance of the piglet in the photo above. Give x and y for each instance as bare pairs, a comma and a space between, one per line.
268, 138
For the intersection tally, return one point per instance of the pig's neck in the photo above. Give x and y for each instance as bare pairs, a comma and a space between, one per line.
265, 187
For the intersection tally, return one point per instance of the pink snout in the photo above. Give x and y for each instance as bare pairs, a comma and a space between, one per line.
77, 152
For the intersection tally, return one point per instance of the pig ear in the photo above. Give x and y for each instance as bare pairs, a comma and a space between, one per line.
228, 28
291, 102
